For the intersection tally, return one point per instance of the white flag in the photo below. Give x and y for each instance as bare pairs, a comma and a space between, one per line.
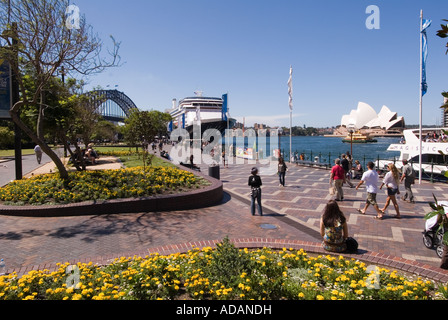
290, 88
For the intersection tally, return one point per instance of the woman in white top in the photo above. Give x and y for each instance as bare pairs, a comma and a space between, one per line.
391, 181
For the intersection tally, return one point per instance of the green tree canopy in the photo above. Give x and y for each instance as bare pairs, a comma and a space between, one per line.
143, 126
36, 38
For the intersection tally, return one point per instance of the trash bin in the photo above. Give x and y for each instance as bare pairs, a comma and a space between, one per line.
213, 171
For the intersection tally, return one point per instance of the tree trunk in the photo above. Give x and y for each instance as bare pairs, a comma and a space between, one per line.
45, 148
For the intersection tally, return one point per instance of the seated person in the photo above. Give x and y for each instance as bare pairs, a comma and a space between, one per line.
333, 228
165, 155
91, 154
358, 170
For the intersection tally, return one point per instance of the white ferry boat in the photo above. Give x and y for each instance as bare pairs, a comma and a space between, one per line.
434, 151
208, 112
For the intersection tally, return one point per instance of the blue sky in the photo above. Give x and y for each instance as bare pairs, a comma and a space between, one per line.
171, 48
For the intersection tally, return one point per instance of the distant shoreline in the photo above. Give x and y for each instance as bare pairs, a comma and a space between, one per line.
391, 135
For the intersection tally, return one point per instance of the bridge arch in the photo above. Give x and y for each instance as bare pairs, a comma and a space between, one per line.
100, 99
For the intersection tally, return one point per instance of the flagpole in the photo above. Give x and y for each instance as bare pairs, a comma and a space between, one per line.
421, 97
290, 113
290, 136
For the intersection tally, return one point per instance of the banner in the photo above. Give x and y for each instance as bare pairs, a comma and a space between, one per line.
224, 107
425, 25
290, 88
5, 89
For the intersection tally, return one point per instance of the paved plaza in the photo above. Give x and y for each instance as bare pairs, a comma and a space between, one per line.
291, 213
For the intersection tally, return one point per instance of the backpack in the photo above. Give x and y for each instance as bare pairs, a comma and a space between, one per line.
411, 175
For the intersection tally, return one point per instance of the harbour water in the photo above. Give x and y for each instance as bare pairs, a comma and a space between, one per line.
327, 149
333, 147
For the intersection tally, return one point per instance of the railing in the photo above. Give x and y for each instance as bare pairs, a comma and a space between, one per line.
320, 160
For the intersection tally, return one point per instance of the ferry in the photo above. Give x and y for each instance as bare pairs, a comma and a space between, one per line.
207, 112
434, 151
358, 137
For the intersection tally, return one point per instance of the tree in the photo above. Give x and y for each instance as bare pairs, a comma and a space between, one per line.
6, 138
105, 131
141, 127
38, 39
443, 33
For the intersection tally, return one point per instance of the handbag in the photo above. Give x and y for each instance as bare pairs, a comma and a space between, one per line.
331, 190
254, 192
352, 245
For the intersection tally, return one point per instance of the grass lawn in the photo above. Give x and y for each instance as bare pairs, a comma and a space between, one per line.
129, 158
10, 152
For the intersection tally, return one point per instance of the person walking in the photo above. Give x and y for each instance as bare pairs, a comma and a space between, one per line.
282, 168
370, 178
345, 163
391, 181
409, 179
338, 177
224, 159
255, 184
38, 152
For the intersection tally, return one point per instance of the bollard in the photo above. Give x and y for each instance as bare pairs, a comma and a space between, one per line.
213, 171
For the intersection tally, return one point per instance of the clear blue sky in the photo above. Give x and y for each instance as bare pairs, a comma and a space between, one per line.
171, 48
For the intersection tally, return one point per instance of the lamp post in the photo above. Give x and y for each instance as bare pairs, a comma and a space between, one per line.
351, 129
351, 143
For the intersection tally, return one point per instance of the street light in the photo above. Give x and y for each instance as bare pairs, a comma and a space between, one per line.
351, 128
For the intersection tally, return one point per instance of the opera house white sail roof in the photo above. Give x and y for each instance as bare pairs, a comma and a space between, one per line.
366, 117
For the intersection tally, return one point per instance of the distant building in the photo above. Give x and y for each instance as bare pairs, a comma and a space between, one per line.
365, 117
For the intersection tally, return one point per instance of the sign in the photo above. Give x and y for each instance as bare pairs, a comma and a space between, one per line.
245, 153
5, 89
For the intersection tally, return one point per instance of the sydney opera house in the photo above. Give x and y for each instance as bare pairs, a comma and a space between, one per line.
365, 119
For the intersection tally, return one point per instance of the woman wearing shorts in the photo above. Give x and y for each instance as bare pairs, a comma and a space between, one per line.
391, 181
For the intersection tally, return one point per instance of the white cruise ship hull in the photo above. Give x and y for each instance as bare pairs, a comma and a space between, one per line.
434, 152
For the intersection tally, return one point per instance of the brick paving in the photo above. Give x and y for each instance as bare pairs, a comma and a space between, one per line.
291, 219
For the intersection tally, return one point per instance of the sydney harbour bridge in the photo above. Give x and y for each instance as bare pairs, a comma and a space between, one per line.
113, 105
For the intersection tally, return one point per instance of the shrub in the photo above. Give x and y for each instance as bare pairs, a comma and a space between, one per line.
259, 274
97, 185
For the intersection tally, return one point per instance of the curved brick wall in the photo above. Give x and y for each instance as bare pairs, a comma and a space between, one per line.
198, 198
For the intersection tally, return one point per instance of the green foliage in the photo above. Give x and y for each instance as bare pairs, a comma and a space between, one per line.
443, 32
299, 131
97, 185
6, 138
442, 220
266, 274
227, 263
141, 127
144, 126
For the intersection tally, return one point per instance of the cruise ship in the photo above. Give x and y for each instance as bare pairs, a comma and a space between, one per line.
208, 112
434, 151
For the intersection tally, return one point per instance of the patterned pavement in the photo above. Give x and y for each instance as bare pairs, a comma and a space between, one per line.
291, 213
306, 193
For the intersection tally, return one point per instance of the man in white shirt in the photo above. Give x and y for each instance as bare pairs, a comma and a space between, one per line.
370, 178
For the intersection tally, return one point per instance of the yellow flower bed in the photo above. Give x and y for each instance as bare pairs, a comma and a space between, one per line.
264, 274
97, 185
